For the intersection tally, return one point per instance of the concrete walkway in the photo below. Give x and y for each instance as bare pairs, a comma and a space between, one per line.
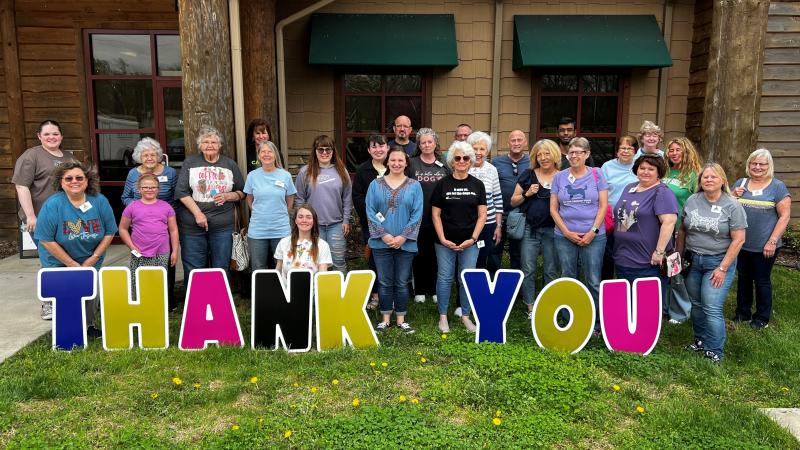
20, 323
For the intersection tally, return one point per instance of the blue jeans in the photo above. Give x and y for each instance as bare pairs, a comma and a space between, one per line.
211, 249
495, 259
632, 273
333, 235
591, 261
533, 242
487, 236
447, 261
394, 270
262, 253
708, 301
754, 270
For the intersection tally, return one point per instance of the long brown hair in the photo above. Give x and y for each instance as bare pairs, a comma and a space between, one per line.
324, 140
314, 252
690, 160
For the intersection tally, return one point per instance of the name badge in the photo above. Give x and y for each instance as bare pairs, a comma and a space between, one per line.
716, 209
480, 244
571, 179
438, 163
162, 179
380, 217
279, 183
632, 190
85, 207
136, 254
758, 192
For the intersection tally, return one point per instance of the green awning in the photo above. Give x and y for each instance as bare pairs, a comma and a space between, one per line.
596, 41
383, 40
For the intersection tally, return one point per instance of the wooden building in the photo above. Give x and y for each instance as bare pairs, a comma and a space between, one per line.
726, 74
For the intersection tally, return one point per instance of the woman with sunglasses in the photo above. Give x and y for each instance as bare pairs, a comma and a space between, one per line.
325, 184
459, 213
76, 226
532, 196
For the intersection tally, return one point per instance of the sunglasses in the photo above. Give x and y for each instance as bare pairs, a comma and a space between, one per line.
459, 158
324, 150
77, 178
515, 168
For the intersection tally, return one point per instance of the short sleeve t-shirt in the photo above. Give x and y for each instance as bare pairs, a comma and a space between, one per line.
300, 257
459, 201
150, 224
428, 176
759, 206
636, 224
708, 225
578, 199
269, 217
682, 190
536, 207
202, 181
617, 176
33, 170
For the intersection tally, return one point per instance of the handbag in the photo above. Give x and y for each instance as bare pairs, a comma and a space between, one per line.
240, 255
515, 224
672, 264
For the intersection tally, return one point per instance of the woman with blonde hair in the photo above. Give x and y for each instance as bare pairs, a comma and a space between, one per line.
650, 136
684, 167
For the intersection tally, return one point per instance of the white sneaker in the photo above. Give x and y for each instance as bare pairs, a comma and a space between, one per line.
444, 327
47, 311
529, 315
435, 299
419, 298
457, 313
468, 324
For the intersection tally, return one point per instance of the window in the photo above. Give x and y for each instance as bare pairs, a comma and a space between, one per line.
134, 90
593, 100
370, 102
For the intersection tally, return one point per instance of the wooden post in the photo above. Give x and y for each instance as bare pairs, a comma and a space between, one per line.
733, 88
16, 118
206, 61
258, 62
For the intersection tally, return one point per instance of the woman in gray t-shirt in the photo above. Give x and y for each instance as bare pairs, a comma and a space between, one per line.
712, 232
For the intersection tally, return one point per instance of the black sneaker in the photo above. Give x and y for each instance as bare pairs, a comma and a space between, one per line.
712, 356
406, 328
758, 324
697, 346
93, 333
382, 326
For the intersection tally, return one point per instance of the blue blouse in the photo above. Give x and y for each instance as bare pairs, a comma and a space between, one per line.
394, 211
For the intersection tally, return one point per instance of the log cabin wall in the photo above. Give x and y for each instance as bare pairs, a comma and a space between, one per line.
779, 121
51, 67
703, 13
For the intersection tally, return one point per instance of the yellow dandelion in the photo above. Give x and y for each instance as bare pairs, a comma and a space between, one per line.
296, 384
616, 388
334, 382
235, 427
177, 381
785, 389
419, 353
314, 389
260, 420
444, 336
640, 409
372, 364
384, 364
423, 360
414, 401
355, 402
498, 413
253, 380
154, 395
287, 434
497, 421
402, 398
196, 385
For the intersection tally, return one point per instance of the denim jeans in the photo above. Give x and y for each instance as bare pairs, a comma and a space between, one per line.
632, 273
394, 270
262, 253
333, 235
495, 259
534, 242
754, 269
591, 261
211, 249
487, 236
448, 260
708, 301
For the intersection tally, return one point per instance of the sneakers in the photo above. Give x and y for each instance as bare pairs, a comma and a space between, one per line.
529, 315
758, 324
47, 311
406, 328
712, 356
93, 332
675, 322
697, 346
419, 298
382, 326
435, 299
457, 313
444, 327
468, 324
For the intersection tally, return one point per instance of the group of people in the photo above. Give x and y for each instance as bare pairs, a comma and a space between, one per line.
426, 216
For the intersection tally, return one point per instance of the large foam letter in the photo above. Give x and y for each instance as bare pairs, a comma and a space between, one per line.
631, 326
68, 288
281, 316
491, 301
121, 314
563, 293
341, 314
209, 315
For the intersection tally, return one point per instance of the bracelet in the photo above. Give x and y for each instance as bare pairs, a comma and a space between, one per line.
721, 269
661, 253
772, 241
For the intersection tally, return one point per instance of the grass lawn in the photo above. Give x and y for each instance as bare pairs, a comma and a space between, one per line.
419, 390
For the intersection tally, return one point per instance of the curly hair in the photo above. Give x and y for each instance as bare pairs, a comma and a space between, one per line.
92, 179
690, 164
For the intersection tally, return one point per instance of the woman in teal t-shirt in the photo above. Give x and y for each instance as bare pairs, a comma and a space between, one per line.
684, 168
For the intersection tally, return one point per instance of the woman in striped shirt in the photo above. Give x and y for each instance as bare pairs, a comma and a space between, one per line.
487, 173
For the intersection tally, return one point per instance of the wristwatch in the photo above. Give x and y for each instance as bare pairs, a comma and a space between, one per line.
474, 239
596, 230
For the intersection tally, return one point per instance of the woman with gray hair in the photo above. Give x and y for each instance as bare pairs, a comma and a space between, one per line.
767, 204
209, 187
458, 206
484, 170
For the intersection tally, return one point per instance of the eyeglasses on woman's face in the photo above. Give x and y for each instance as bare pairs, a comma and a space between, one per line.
324, 150
460, 158
70, 178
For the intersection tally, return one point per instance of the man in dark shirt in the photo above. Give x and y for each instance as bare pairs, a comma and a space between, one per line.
402, 134
566, 132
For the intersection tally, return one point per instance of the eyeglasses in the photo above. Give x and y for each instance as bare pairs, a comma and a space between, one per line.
324, 150
459, 158
77, 178
148, 188
758, 164
402, 126
576, 153
630, 149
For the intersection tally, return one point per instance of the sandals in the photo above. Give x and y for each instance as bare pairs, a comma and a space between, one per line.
373, 303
